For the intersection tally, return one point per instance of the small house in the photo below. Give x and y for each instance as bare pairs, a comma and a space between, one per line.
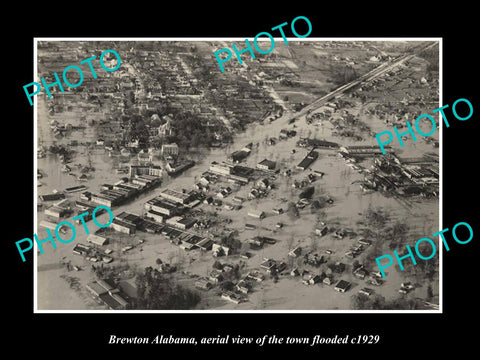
321, 231
360, 273
314, 279
215, 276
342, 286
327, 280
243, 286
256, 214
266, 165
295, 252
203, 284
97, 240
220, 250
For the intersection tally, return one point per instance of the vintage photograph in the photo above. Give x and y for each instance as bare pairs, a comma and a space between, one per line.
259, 188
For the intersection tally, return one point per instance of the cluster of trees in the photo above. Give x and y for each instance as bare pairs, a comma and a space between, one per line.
229, 277
292, 210
423, 270
307, 193
343, 74
430, 55
60, 149
230, 241
137, 129
157, 292
378, 302
189, 130
377, 228
232, 275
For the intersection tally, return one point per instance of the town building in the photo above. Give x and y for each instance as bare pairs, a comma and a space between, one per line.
220, 169
52, 197
123, 226
295, 252
220, 250
56, 211
162, 206
308, 160
256, 214
180, 222
152, 170
266, 165
126, 223
203, 284
108, 294
239, 155
364, 150
166, 129
177, 167
205, 244
155, 216
97, 240
322, 230
342, 286
176, 196
169, 150
216, 276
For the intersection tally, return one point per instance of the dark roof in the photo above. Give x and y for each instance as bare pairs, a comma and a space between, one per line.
50, 197
268, 163
97, 288
342, 284
110, 301
128, 217
163, 204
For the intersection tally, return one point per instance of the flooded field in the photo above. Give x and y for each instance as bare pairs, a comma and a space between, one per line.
339, 182
60, 287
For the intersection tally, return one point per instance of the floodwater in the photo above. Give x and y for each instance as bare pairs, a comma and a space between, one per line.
339, 183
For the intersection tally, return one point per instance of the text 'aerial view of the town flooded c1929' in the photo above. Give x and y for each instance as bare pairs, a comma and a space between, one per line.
258, 188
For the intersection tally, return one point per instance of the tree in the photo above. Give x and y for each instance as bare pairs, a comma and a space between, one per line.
156, 292
292, 210
307, 193
429, 292
227, 285
397, 235
375, 218
315, 205
364, 302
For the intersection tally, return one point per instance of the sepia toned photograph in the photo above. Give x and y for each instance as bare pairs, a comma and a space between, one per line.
260, 188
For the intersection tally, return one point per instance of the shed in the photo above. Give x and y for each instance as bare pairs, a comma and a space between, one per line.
203, 284
256, 214
97, 240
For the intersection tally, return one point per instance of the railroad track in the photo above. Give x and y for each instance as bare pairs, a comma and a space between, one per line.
381, 69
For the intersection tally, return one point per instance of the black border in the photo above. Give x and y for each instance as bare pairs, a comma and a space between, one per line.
410, 334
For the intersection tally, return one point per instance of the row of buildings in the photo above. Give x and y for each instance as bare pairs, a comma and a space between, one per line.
142, 178
107, 293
